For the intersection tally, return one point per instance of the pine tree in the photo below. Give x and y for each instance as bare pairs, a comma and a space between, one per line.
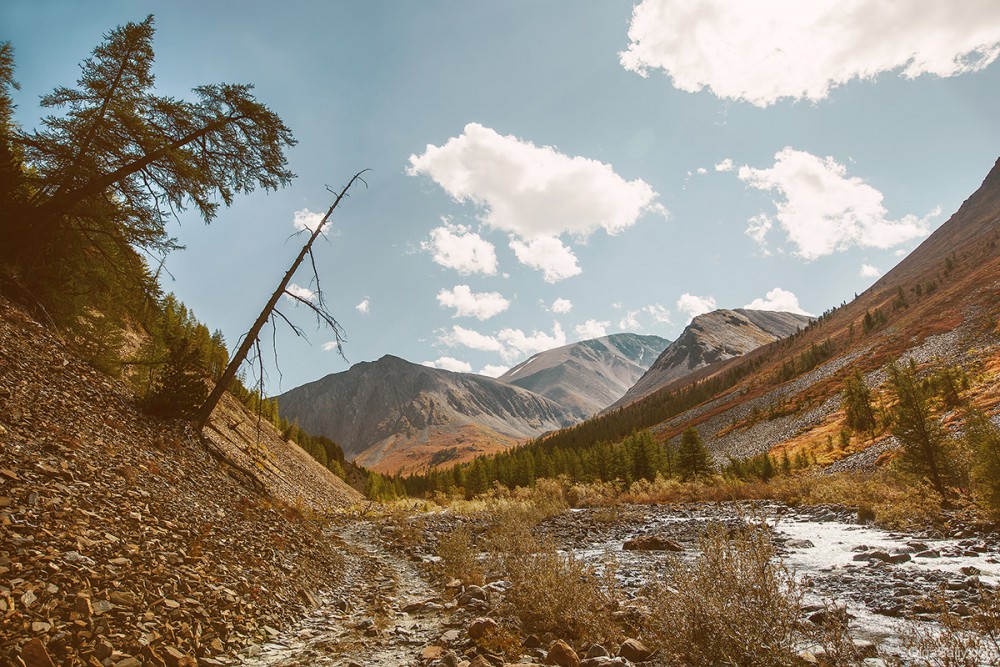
857, 402
922, 436
692, 457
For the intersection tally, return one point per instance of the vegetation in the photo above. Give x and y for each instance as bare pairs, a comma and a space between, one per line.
857, 402
925, 449
693, 460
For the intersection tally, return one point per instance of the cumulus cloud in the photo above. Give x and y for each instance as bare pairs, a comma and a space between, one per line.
458, 247
725, 165
489, 370
778, 299
549, 255
481, 305
462, 337
592, 329
824, 210
534, 193
450, 364
693, 305
701, 171
363, 306
869, 271
511, 344
810, 47
299, 291
306, 220
561, 306
329, 346
657, 313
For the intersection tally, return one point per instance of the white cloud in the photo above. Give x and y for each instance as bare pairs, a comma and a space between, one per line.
869, 271
450, 364
518, 343
758, 227
694, 306
458, 247
329, 346
725, 165
462, 337
533, 192
561, 306
824, 210
299, 291
364, 306
306, 220
659, 314
549, 255
630, 322
701, 171
489, 370
511, 344
778, 299
760, 52
482, 305
592, 329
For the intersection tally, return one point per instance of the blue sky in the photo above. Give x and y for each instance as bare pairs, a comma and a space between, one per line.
546, 171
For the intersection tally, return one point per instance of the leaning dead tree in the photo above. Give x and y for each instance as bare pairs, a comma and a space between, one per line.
252, 339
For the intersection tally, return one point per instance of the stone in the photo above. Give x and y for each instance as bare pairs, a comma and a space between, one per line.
928, 553
651, 543
174, 657
597, 651
431, 653
799, 544
898, 558
562, 654
479, 627
35, 654
471, 593
634, 650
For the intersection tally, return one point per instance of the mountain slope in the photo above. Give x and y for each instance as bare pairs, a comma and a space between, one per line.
393, 415
937, 307
589, 375
712, 337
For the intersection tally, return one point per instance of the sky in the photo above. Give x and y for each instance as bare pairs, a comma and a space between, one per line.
545, 171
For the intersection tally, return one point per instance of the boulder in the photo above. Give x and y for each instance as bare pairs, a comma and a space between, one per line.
651, 543
479, 627
562, 654
634, 650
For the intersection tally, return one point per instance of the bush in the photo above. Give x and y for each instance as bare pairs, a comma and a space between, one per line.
959, 642
732, 606
459, 559
983, 438
551, 591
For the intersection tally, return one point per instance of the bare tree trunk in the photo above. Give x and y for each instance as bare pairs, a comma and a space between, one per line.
253, 335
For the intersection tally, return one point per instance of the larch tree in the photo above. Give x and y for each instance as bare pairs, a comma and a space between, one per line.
115, 160
693, 460
921, 434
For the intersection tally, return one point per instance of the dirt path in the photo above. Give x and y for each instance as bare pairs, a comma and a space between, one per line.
385, 612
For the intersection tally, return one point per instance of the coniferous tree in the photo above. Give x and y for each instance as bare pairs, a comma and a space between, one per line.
857, 401
693, 459
920, 433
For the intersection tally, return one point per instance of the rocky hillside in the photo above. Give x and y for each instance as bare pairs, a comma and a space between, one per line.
126, 540
713, 337
590, 375
392, 415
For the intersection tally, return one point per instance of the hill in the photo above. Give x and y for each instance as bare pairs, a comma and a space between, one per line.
108, 513
710, 338
589, 375
392, 415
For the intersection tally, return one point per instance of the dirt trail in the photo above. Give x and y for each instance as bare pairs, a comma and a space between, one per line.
365, 623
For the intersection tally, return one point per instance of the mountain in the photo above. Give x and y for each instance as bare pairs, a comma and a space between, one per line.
590, 375
712, 337
392, 415
938, 307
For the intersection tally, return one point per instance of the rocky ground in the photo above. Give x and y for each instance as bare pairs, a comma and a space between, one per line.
127, 541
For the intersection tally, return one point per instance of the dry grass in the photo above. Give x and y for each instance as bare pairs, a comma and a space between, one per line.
459, 559
549, 590
959, 642
734, 605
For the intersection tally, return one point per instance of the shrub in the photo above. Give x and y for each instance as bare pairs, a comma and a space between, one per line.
459, 559
734, 605
959, 642
551, 591
983, 438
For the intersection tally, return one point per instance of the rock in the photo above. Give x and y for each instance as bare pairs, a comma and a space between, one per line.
651, 543
35, 654
970, 571
634, 650
799, 544
865, 648
176, 658
807, 658
128, 662
898, 558
451, 637
471, 593
480, 661
597, 651
431, 653
479, 627
929, 553
560, 653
